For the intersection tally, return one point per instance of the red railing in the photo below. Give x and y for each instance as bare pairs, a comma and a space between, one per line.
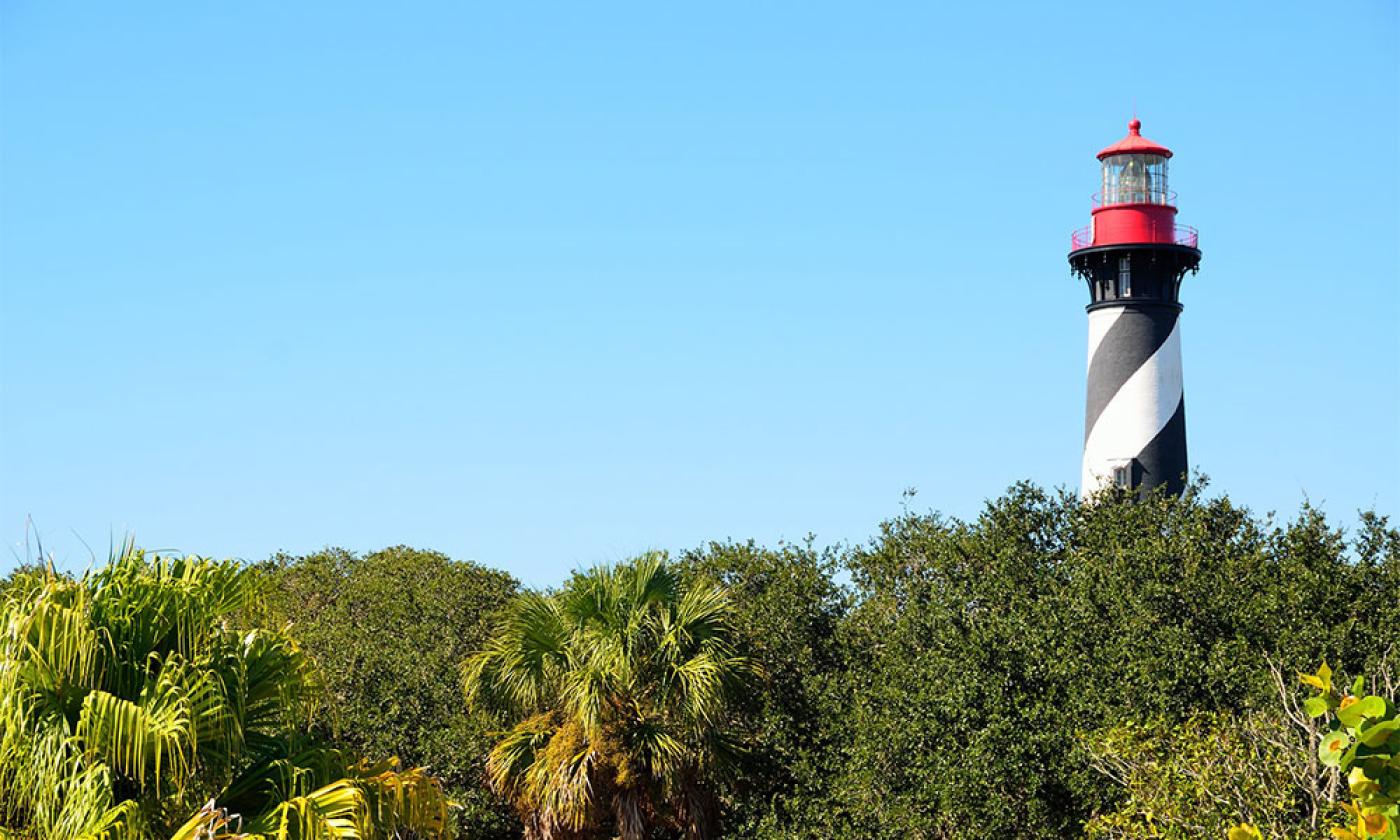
1182, 235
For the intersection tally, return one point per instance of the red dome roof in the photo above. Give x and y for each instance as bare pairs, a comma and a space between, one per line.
1135, 144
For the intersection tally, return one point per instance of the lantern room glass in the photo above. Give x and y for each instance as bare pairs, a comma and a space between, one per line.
1135, 179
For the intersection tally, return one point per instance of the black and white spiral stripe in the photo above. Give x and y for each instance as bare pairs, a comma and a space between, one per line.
1135, 415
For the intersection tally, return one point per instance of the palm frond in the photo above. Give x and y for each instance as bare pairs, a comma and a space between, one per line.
124, 692
657, 747
277, 682
50, 641
650, 580
703, 613
408, 800
119, 822
702, 680
337, 811
148, 742
624, 710
511, 758
518, 668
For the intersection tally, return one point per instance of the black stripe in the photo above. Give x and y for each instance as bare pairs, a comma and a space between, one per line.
1163, 459
1129, 343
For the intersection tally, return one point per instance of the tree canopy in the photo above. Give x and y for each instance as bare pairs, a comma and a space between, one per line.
1048, 668
390, 629
622, 682
977, 656
132, 708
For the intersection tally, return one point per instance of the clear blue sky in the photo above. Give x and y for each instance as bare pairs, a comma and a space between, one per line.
543, 285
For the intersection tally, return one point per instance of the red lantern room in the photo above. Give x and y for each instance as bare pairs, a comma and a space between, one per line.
1134, 205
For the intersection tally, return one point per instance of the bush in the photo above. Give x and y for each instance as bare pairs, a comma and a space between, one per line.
1195, 779
787, 607
389, 629
977, 652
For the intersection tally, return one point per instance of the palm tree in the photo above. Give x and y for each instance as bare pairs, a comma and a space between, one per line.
621, 683
131, 707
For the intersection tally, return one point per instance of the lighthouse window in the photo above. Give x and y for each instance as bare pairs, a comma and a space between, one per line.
1125, 277
1121, 476
1135, 179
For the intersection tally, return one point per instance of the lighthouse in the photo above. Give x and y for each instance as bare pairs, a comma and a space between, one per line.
1133, 256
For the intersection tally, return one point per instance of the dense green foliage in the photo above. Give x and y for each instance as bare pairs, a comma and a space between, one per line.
1047, 669
622, 683
1198, 778
787, 607
977, 654
127, 701
390, 630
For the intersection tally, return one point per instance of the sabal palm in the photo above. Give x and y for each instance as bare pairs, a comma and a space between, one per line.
131, 708
622, 682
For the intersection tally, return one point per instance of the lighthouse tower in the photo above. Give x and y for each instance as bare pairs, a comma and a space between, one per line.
1133, 256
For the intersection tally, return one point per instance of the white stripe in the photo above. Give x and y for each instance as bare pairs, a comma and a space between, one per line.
1134, 415
1099, 322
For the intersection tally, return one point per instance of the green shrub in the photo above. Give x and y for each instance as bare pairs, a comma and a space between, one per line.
389, 630
975, 653
131, 708
1362, 740
1195, 779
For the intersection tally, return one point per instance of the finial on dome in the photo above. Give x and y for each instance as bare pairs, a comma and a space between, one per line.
1133, 144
